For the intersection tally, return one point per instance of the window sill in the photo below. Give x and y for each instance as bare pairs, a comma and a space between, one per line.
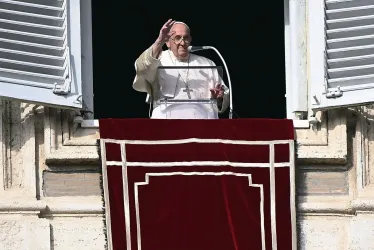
90, 124
95, 124
301, 124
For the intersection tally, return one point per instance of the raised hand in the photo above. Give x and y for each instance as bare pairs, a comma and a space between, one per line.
163, 37
165, 33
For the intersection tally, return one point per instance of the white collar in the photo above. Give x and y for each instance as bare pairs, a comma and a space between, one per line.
175, 60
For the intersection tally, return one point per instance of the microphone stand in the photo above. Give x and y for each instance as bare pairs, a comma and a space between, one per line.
192, 48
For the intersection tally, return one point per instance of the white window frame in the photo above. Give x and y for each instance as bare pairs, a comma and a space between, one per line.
316, 47
352, 95
85, 41
297, 101
87, 61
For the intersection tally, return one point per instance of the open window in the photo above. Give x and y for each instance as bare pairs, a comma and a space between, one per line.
341, 53
46, 57
40, 52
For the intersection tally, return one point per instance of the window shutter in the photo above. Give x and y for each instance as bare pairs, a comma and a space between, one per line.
40, 52
348, 54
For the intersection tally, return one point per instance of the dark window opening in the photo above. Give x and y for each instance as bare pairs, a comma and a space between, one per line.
250, 40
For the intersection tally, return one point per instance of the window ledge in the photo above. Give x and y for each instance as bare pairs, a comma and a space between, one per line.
95, 124
301, 124
90, 124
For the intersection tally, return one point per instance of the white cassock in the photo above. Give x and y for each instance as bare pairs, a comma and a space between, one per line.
178, 84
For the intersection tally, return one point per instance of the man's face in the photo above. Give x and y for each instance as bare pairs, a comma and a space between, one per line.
179, 41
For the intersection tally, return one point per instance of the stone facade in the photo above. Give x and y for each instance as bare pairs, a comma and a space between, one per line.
51, 196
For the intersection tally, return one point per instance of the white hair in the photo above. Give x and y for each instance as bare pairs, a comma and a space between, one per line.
179, 22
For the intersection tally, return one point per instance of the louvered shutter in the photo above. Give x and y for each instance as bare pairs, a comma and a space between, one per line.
346, 76
40, 55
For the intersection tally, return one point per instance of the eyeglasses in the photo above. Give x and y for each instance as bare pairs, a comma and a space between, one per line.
178, 39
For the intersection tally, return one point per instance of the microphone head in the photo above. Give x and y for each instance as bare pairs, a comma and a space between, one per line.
196, 48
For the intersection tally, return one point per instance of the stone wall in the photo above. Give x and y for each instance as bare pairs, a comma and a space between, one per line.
70, 181
51, 196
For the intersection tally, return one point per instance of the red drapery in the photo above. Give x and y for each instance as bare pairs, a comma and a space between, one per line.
199, 184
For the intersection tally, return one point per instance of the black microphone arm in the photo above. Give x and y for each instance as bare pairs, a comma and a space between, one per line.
197, 48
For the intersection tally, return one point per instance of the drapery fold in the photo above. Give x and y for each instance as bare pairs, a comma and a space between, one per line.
199, 184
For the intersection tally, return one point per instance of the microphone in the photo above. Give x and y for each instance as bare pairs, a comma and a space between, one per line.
197, 48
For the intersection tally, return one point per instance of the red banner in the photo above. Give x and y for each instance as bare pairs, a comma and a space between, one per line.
199, 184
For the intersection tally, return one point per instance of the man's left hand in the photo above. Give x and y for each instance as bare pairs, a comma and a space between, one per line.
217, 92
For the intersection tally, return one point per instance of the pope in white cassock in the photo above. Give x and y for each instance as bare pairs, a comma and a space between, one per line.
182, 83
